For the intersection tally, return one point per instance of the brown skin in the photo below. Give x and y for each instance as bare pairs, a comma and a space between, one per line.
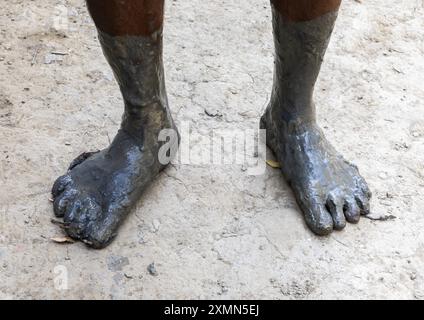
305, 10
143, 17
127, 17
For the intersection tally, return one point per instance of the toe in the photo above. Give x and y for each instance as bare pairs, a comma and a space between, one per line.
103, 230
335, 207
62, 202
365, 190
60, 185
99, 236
363, 203
318, 219
72, 214
74, 220
83, 220
363, 195
59, 206
362, 187
351, 210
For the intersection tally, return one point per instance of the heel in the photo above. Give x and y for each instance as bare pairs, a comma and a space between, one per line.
264, 125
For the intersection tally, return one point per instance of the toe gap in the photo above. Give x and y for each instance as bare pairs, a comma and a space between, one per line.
345, 208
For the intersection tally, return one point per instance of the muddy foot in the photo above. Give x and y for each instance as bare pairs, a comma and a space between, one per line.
328, 189
100, 188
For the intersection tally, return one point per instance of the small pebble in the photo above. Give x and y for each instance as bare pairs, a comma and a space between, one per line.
152, 269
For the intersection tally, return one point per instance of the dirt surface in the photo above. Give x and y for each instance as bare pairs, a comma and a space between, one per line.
213, 231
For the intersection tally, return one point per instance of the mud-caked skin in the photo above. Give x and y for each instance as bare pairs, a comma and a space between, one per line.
100, 188
328, 189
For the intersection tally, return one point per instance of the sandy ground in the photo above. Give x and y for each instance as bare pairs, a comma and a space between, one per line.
213, 231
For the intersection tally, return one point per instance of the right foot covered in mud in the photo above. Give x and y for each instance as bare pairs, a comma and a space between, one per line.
100, 188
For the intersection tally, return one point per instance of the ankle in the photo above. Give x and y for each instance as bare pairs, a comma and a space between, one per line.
289, 119
147, 121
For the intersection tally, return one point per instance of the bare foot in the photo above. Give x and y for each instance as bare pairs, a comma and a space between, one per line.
100, 188
328, 189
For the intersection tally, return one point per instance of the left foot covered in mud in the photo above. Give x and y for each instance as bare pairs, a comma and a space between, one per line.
328, 189
100, 188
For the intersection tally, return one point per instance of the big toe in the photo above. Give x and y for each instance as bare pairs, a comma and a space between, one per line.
318, 219
100, 235
60, 185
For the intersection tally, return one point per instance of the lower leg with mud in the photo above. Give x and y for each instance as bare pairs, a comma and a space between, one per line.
328, 189
100, 188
